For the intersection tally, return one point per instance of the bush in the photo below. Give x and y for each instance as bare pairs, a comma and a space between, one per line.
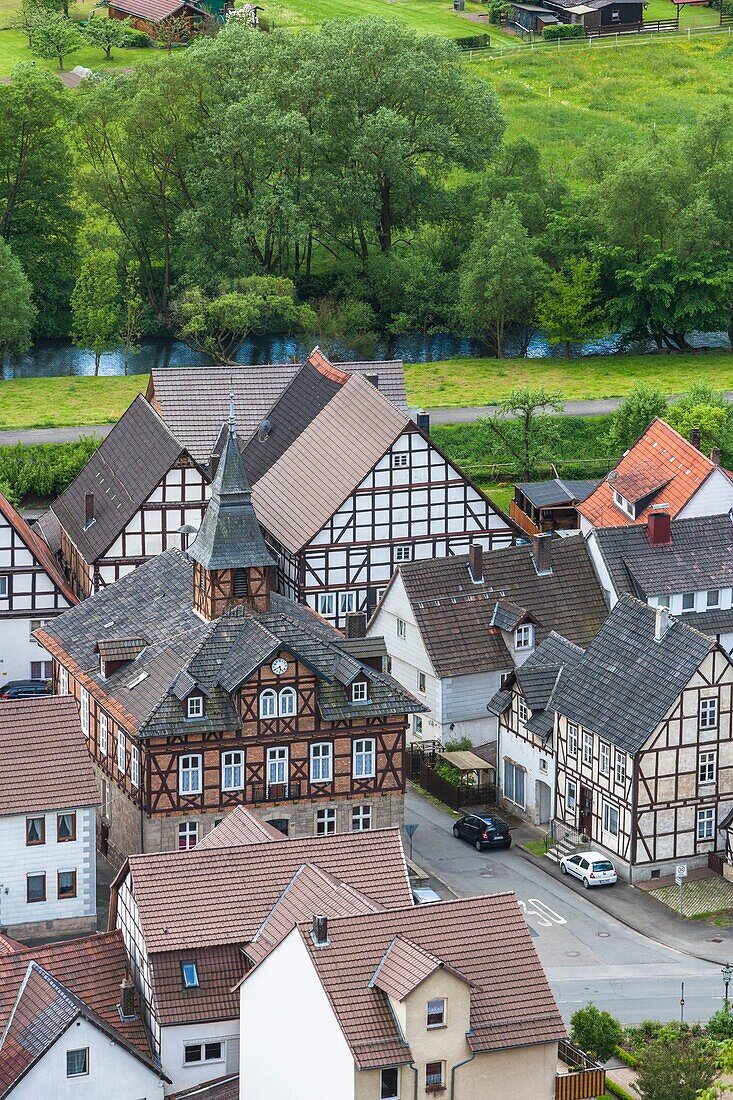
42, 470
596, 1032
675, 1069
563, 30
720, 1024
136, 40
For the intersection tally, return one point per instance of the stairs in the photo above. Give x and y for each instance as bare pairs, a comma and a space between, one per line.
564, 846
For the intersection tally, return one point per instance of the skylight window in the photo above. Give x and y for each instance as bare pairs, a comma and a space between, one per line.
190, 975
138, 680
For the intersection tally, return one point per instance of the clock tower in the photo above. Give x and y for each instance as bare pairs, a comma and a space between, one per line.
231, 563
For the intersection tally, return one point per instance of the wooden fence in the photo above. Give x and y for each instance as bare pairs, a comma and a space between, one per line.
584, 1079
653, 26
421, 769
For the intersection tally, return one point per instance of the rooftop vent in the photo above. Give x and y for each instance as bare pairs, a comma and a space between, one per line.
89, 516
320, 930
715, 456
138, 680
476, 562
127, 998
264, 430
695, 438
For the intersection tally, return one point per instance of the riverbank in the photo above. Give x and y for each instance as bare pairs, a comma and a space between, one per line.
79, 401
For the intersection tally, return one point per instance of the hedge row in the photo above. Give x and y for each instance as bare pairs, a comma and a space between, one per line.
42, 471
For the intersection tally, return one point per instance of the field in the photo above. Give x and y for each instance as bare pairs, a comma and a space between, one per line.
53, 402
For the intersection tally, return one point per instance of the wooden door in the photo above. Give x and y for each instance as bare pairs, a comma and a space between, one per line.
586, 811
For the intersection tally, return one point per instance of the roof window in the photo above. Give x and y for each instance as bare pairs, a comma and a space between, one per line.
138, 680
190, 974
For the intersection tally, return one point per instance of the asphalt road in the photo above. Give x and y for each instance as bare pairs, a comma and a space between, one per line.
587, 954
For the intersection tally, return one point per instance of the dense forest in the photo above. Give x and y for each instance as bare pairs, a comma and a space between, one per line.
342, 182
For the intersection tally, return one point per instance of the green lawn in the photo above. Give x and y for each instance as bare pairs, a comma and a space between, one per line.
62, 402
429, 16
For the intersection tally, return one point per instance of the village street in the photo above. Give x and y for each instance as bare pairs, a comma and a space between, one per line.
588, 954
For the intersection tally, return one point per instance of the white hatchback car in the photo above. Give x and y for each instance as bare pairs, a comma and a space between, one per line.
592, 868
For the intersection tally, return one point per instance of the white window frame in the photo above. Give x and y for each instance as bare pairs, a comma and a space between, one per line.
422, 682
609, 810
3, 586
360, 692
103, 733
277, 762
135, 765
327, 604
707, 766
402, 553
688, 596
401, 628
202, 1045
620, 766
572, 739
361, 818
63, 680
417, 723
188, 829
83, 1072
604, 758
84, 711
624, 504
287, 703
712, 592
708, 713
326, 821
364, 758
121, 752
435, 1083
347, 602
524, 636
268, 703
321, 762
189, 774
572, 795
443, 1013
587, 748
232, 760
394, 1095
705, 824
522, 709
513, 771
194, 707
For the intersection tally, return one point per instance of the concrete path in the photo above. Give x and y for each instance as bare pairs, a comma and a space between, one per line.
622, 1075
52, 435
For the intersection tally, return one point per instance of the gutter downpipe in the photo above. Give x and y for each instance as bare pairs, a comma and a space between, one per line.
413, 1067
453, 1074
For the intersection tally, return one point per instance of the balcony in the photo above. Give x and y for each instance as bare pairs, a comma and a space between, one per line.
578, 1076
275, 792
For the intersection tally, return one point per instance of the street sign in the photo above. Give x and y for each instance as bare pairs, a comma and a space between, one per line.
410, 830
680, 873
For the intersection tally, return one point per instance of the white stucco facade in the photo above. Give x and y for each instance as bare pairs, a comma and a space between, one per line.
20, 654
173, 1043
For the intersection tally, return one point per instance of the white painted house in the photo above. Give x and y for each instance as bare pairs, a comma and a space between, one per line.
32, 590
48, 801
455, 628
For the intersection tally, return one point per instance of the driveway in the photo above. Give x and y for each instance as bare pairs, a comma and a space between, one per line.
588, 954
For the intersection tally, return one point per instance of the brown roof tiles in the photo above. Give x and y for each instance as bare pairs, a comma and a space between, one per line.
240, 826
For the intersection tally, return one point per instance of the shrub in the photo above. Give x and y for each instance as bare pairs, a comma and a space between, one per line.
136, 40
720, 1024
42, 470
675, 1069
563, 30
596, 1032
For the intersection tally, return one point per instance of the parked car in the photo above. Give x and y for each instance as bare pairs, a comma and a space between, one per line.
423, 895
592, 868
483, 832
19, 689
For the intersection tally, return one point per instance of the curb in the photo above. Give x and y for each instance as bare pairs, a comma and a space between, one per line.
541, 862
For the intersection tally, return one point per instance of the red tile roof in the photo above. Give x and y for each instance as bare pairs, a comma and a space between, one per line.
9, 946
44, 760
404, 966
240, 826
485, 939
661, 467
37, 547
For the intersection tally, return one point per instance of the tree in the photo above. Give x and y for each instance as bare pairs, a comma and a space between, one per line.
106, 33
217, 324
95, 304
171, 32
423, 303
55, 36
501, 277
707, 410
642, 404
133, 308
17, 312
524, 405
569, 309
676, 1069
596, 1032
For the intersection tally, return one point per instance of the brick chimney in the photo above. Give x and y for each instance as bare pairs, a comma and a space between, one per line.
127, 998
542, 550
476, 562
695, 438
88, 510
659, 528
320, 930
715, 456
423, 421
356, 624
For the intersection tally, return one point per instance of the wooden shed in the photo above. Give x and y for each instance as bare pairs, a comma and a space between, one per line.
532, 17
146, 14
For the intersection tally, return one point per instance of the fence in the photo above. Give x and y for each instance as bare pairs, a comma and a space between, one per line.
456, 795
602, 42
586, 1078
653, 27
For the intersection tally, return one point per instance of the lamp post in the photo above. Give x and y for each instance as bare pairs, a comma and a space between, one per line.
727, 972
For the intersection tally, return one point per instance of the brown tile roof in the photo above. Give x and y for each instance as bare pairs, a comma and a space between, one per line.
222, 1088
194, 401
485, 939
327, 461
90, 968
153, 11
37, 547
456, 617
240, 826
9, 946
44, 760
220, 967
404, 966
661, 467
216, 896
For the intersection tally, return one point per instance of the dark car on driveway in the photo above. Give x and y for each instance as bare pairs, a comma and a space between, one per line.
22, 689
483, 832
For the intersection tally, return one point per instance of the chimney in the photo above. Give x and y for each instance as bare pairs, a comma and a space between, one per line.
715, 456
320, 931
373, 379
695, 438
661, 622
423, 421
476, 562
88, 510
542, 549
127, 998
659, 528
356, 624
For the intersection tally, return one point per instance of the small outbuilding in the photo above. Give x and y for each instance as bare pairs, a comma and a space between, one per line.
600, 16
532, 17
147, 14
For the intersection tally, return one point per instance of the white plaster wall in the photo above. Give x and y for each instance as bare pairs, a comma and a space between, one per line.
292, 1045
714, 497
464, 707
17, 859
528, 756
114, 1073
173, 1040
601, 570
18, 649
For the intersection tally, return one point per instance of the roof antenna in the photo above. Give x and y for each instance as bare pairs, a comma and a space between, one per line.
232, 421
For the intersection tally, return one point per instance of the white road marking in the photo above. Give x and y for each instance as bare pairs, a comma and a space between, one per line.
544, 916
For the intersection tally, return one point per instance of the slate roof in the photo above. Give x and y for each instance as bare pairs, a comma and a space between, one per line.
558, 492
156, 601
539, 680
44, 760
456, 617
699, 556
194, 400
38, 547
626, 682
661, 467
222, 1088
486, 940
121, 474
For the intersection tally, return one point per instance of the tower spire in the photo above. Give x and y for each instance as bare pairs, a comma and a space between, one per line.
232, 411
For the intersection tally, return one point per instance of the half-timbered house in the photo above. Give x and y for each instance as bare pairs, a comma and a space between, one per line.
194, 923
643, 742
200, 689
32, 589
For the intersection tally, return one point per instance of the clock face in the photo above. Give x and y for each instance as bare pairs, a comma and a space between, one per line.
279, 665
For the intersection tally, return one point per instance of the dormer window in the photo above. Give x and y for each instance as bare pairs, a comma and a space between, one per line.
195, 706
436, 1012
190, 975
524, 636
360, 692
624, 504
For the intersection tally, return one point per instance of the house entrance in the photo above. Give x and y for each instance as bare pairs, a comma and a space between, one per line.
586, 811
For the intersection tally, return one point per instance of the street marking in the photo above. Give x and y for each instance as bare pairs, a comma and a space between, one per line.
545, 916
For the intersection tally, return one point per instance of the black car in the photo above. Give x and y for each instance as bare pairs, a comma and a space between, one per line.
483, 832
22, 689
